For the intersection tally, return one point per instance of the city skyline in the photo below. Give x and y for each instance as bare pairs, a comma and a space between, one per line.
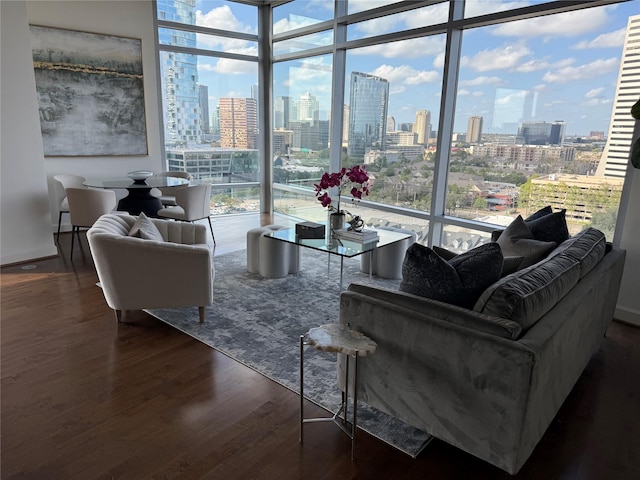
534, 71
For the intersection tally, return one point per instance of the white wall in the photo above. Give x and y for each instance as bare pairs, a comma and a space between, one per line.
628, 237
25, 230
133, 19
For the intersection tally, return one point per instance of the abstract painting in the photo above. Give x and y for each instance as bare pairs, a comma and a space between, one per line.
90, 93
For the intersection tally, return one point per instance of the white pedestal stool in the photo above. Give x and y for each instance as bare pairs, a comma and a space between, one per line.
387, 260
268, 257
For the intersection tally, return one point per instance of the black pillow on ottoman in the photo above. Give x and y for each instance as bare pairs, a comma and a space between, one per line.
459, 281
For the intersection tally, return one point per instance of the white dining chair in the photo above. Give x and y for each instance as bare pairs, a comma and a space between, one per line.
64, 181
167, 195
86, 205
193, 203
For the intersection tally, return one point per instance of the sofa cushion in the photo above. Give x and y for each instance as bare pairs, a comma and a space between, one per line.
459, 281
587, 247
518, 241
509, 264
528, 294
551, 227
144, 228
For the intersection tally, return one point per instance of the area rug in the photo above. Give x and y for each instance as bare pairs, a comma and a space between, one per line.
258, 322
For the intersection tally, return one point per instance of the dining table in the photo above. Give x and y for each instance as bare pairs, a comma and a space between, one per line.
139, 197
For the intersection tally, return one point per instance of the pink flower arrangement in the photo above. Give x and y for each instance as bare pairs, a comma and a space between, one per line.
355, 176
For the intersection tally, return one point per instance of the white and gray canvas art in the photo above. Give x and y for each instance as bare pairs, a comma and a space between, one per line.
90, 93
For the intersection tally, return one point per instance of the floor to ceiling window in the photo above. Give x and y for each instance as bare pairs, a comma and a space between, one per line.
466, 113
208, 57
469, 113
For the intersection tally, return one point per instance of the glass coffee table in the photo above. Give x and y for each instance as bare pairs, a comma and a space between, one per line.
338, 246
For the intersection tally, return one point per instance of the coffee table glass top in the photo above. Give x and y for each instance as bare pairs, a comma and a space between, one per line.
339, 246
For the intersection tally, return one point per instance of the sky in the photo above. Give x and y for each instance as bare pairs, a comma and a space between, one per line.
562, 67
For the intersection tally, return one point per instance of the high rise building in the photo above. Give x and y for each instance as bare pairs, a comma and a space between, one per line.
558, 129
203, 101
534, 133
391, 123
474, 130
422, 126
238, 123
281, 112
179, 76
308, 109
368, 105
615, 156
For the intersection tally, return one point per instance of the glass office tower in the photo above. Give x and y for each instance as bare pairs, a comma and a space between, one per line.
179, 76
368, 105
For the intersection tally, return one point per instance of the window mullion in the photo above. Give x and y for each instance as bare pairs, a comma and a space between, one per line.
446, 121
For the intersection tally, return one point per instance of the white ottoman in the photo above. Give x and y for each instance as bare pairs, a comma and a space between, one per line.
387, 260
268, 257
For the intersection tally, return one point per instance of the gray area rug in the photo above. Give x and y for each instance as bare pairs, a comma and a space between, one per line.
258, 322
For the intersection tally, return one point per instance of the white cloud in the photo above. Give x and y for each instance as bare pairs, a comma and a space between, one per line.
482, 80
581, 72
605, 40
594, 92
222, 18
540, 88
292, 23
230, 67
463, 93
412, 48
580, 22
475, 9
541, 64
501, 58
405, 75
478, 94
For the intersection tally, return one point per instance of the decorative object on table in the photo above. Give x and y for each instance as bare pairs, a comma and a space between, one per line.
362, 236
310, 230
90, 93
355, 176
356, 224
139, 176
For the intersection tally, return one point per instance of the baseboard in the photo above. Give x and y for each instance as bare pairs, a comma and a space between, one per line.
627, 315
28, 256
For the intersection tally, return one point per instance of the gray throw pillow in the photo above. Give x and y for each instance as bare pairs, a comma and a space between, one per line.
518, 241
144, 228
459, 281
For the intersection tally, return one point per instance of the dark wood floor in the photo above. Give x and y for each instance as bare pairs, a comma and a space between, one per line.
85, 398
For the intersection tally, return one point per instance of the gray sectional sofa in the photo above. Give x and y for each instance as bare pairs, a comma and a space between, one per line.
490, 379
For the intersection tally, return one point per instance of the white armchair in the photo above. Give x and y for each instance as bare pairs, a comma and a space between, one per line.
137, 273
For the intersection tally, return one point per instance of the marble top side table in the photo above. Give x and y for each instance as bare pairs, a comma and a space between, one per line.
335, 337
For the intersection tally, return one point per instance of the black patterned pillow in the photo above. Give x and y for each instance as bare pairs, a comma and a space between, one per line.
517, 240
540, 213
459, 281
509, 264
551, 227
